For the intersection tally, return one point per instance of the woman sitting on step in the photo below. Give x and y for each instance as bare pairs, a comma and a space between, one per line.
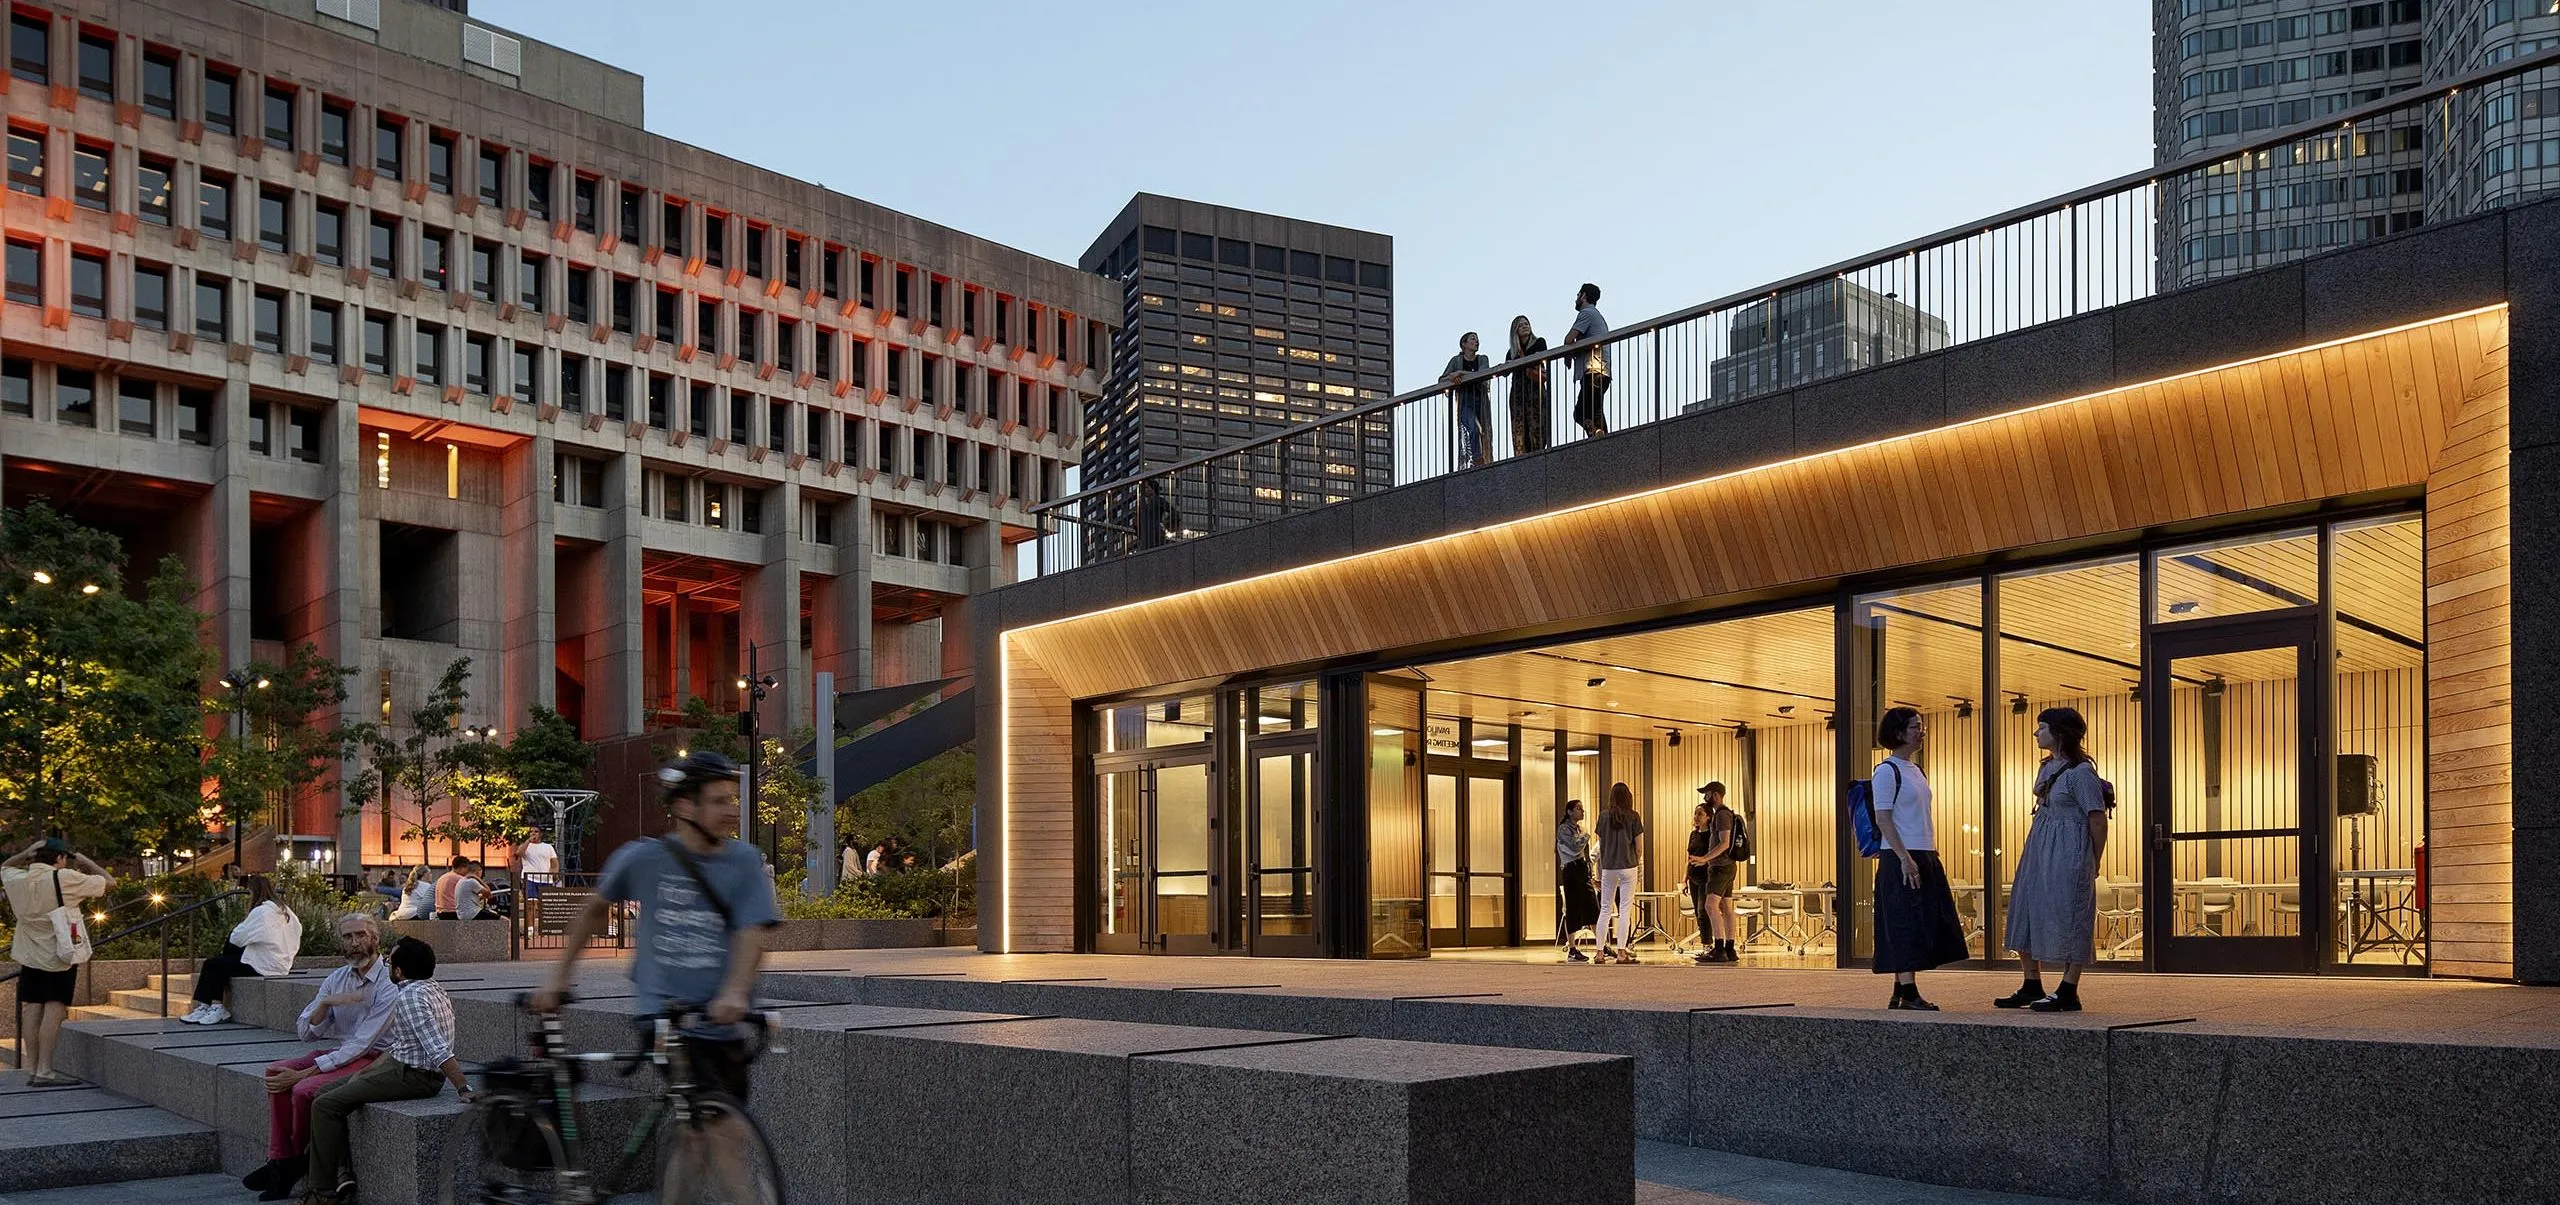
263, 943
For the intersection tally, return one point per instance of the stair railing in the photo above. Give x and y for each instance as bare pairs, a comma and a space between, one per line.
194, 916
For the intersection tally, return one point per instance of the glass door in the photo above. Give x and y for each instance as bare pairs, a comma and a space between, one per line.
1473, 877
2232, 819
1280, 850
1159, 880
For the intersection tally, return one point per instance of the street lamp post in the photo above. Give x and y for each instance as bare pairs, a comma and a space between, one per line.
239, 682
756, 686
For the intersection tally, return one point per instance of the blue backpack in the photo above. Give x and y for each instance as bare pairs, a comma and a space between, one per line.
1862, 814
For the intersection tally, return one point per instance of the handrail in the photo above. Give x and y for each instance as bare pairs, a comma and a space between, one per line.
118, 935
1373, 411
165, 918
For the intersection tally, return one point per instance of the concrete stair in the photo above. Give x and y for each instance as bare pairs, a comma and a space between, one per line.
58, 1137
145, 1001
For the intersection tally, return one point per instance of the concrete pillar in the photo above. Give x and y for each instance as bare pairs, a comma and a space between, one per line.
221, 531
529, 620
680, 652
616, 641
769, 617
338, 578
2533, 516
844, 621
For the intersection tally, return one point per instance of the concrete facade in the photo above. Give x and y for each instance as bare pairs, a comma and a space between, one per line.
413, 357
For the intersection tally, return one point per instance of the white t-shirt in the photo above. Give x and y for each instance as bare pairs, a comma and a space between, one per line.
1909, 803
541, 861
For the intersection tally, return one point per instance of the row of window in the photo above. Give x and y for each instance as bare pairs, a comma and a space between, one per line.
2271, 116
2300, 237
2335, 190
2520, 156
803, 261
158, 409
2353, 18
2300, 69
1272, 261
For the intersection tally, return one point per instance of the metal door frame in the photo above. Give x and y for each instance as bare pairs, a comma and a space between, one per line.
1291, 945
1150, 938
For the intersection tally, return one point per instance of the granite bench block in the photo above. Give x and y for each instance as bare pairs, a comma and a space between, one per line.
2211, 1114
1285, 1011
1361, 1121
1656, 1039
457, 941
2015, 1106
1031, 1112
802, 1096
101, 1148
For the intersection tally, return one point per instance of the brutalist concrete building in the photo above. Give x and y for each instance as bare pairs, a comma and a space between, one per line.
407, 336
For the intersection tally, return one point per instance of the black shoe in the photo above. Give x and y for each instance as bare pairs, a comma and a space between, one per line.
281, 1189
263, 1176
1912, 1003
2027, 994
2064, 1001
1730, 954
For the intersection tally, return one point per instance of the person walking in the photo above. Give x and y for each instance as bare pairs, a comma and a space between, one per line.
1591, 369
417, 1061
1621, 845
37, 883
262, 944
1713, 866
1915, 910
1475, 403
1528, 390
1574, 874
354, 1006
2053, 904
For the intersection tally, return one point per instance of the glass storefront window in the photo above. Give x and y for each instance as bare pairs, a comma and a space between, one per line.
1395, 819
1290, 707
1160, 724
2238, 577
2379, 576
1923, 649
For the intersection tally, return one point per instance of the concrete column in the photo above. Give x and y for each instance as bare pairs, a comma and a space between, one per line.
769, 617
844, 621
529, 620
680, 652
616, 641
336, 553
2533, 516
221, 530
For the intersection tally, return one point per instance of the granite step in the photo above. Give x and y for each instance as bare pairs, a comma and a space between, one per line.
81, 1134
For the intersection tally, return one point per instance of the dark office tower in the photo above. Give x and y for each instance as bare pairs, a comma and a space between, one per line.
1238, 325
2226, 72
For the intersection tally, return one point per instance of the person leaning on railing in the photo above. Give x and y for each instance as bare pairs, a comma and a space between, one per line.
1528, 390
1591, 369
1475, 403
37, 884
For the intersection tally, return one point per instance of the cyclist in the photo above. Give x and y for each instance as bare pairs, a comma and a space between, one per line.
704, 903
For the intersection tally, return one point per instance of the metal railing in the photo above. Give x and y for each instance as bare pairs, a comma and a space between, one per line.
2462, 146
192, 914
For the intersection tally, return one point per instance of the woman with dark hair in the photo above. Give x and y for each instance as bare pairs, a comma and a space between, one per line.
262, 944
1621, 859
1916, 925
2053, 905
1574, 877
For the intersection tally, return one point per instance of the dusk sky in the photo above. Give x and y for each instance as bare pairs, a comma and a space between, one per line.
1671, 152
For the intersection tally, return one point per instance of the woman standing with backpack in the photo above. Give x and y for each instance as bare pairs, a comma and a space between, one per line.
2053, 905
1916, 925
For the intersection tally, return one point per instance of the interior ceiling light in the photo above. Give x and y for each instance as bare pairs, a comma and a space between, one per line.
1596, 682
2018, 705
1386, 732
2184, 606
1582, 751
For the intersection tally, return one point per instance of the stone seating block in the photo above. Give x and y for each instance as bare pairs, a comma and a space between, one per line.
1657, 1039
459, 941
1380, 1123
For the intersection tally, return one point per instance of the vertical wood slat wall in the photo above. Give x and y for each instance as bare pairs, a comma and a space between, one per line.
2425, 404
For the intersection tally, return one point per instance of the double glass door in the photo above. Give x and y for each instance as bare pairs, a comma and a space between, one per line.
1473, 879
2235, 818
1161, 874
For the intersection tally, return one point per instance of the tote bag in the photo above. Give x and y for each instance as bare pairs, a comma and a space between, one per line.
70, 929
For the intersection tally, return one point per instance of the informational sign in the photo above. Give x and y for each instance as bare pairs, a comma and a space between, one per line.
551, 913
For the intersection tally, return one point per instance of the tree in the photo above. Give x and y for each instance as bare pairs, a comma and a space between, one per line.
291, 740
786, 795
705, 731
421, 765
101, 719
927, 808
546, 753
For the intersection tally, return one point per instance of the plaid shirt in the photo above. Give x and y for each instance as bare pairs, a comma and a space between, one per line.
421, 1026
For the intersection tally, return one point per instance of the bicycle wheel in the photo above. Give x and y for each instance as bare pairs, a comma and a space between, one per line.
501, 1152
720, 1157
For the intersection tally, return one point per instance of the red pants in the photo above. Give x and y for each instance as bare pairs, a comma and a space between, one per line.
289, 1113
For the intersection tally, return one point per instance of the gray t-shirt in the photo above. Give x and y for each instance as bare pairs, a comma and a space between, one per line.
680, 949
469, 897
1618, 834
1590, 327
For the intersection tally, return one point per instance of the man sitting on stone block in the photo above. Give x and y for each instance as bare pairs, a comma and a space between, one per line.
354, 1005
417, 1061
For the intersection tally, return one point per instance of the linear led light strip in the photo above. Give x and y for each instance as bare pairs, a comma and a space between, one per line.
1004, 779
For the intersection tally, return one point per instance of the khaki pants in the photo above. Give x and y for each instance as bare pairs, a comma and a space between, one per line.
385, 1079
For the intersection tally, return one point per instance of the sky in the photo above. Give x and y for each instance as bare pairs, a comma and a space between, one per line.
1671, 152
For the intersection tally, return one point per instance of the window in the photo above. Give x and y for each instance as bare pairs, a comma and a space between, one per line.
706, 324
928, 378
266, 320
195, 415
662, 390
672, 491
2364, 16
493, 175
815, 441
750, 325
213, 308
17, 386
160, 83
573, 384
89, 284
89, 183
221, 100
259, 439
671, 226
2405, 11
382, 249
476, 353
933, 290
2406, 54
777, 425
386, 147
582, 283
440, 161
868, 272
75, 396
529, 274
151, 296
525, 383
698, 412
791, 256
831, 270
336, 122
897, 362
2365, 58
537, 189
324, 332
30, 48
427, 358
213, 205
329, 233
969, 312
825, 342
278, 113
377, 344
715, 240
617, 391
714, 493
741, 413
582, 203
625, 300
273, 208
26, 162
98, 66
632, 201
756, 238
888, 449
669, 316
484, 270
786, 345
302, 428
906, 290
433, 247
137, 403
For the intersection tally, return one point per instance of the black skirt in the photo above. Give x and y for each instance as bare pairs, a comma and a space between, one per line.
1581, 903
1916, 928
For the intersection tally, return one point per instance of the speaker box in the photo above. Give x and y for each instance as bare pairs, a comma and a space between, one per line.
2359, 784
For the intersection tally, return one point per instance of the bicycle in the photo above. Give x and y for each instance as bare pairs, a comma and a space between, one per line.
523, 1140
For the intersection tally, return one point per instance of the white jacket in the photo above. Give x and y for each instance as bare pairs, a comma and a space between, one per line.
268, 938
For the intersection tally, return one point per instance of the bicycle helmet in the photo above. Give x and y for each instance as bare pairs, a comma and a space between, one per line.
686, 776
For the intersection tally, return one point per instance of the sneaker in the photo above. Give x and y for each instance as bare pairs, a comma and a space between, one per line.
1576, 955
215, 1014
195, 1016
